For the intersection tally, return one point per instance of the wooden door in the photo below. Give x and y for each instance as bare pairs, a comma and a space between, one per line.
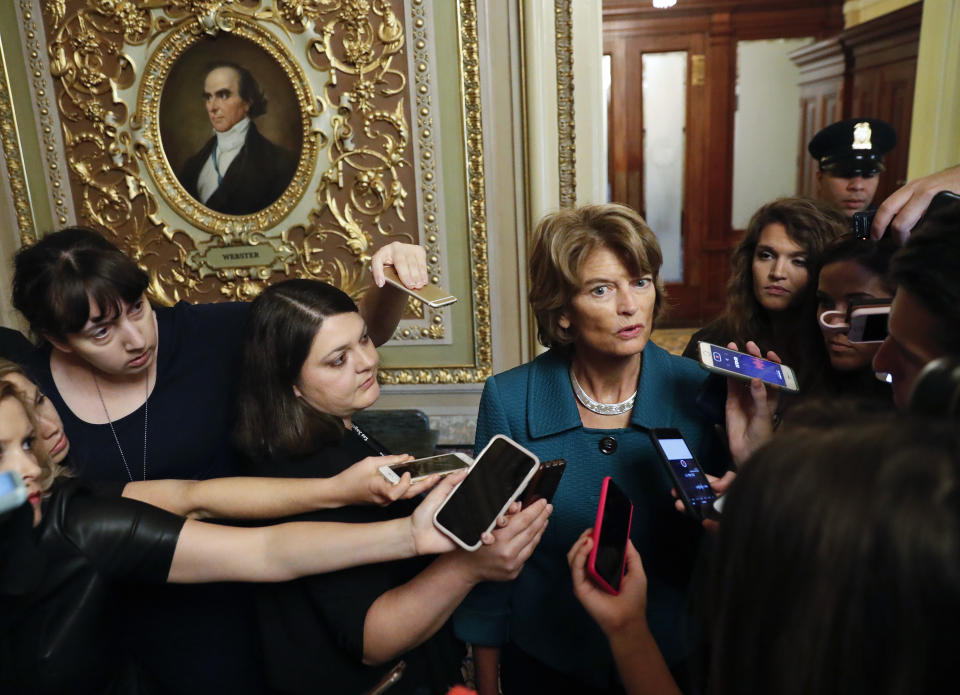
631, 171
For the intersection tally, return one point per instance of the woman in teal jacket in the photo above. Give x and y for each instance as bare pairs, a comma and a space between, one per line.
595, 291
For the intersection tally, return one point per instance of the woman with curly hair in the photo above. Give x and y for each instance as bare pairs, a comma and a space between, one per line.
770, 296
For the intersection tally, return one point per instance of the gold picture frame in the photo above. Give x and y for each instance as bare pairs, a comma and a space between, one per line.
88, 50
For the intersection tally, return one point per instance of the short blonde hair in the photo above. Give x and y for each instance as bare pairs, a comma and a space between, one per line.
561, 244
50, 470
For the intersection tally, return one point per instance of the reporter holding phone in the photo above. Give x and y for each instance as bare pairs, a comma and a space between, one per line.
845, 586
65, 552
308, 366
596, 291
852, 269
770, 294
146, 393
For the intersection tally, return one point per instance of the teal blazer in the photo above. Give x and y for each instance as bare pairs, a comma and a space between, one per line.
534, 404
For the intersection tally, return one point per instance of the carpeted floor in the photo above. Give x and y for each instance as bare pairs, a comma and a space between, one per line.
672, 339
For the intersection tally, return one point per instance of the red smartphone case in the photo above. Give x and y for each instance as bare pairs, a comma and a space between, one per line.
592, 559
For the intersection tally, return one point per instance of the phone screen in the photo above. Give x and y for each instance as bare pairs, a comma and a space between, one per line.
747, 365
421, 468
12, 491
492, 480
874, 327
8, 483
612, 542
686, 472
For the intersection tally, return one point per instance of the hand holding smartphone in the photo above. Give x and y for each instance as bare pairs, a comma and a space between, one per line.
495, 480
443, 464
611, 531
693, 488
544, 482
432, 295
741, 365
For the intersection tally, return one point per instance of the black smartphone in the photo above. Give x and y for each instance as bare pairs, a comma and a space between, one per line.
544, 482
495, 480
861, 222
688, 478
611, 530
868, 319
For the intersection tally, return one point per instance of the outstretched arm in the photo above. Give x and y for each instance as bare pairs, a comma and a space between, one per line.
210, 552
405, 616
383, 304
271, 498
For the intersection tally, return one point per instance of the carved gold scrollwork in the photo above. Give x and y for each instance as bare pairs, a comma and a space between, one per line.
369, 176
360, 189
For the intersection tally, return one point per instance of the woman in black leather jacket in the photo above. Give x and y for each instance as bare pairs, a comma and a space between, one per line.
63, 553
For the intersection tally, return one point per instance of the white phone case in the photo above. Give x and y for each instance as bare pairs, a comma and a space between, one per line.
858, 322
535, 463
706, 361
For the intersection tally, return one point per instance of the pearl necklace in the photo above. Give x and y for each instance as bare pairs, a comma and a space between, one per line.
596, 406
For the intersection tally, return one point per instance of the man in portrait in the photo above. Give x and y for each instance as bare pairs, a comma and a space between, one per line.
238, 171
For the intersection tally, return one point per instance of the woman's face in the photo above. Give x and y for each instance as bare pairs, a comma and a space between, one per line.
612, 313
779, 269
339, 376
51, 439
16, 449
840, 283
124, 345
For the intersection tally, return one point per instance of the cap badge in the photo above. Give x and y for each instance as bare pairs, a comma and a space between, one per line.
861, 136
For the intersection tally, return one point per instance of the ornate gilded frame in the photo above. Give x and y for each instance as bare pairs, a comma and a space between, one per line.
154, 237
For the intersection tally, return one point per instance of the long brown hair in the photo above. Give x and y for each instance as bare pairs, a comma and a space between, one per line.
813, 225
271, 421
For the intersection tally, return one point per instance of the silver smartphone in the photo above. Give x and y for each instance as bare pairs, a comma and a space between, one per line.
499, 474
419, 469
431, 295
743, 366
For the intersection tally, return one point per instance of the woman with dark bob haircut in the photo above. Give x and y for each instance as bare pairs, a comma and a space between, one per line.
836, 569
308, 367
770, 296
591, 399
146, 393
152, 385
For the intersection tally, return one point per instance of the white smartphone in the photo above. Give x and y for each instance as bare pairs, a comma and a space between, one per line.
868, 321
743, 366
419, 469
497, 477
431, 295
13, 492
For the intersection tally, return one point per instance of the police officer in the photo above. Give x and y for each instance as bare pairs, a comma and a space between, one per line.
850, 155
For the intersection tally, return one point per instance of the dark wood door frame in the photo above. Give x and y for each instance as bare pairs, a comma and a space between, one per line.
708, 198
